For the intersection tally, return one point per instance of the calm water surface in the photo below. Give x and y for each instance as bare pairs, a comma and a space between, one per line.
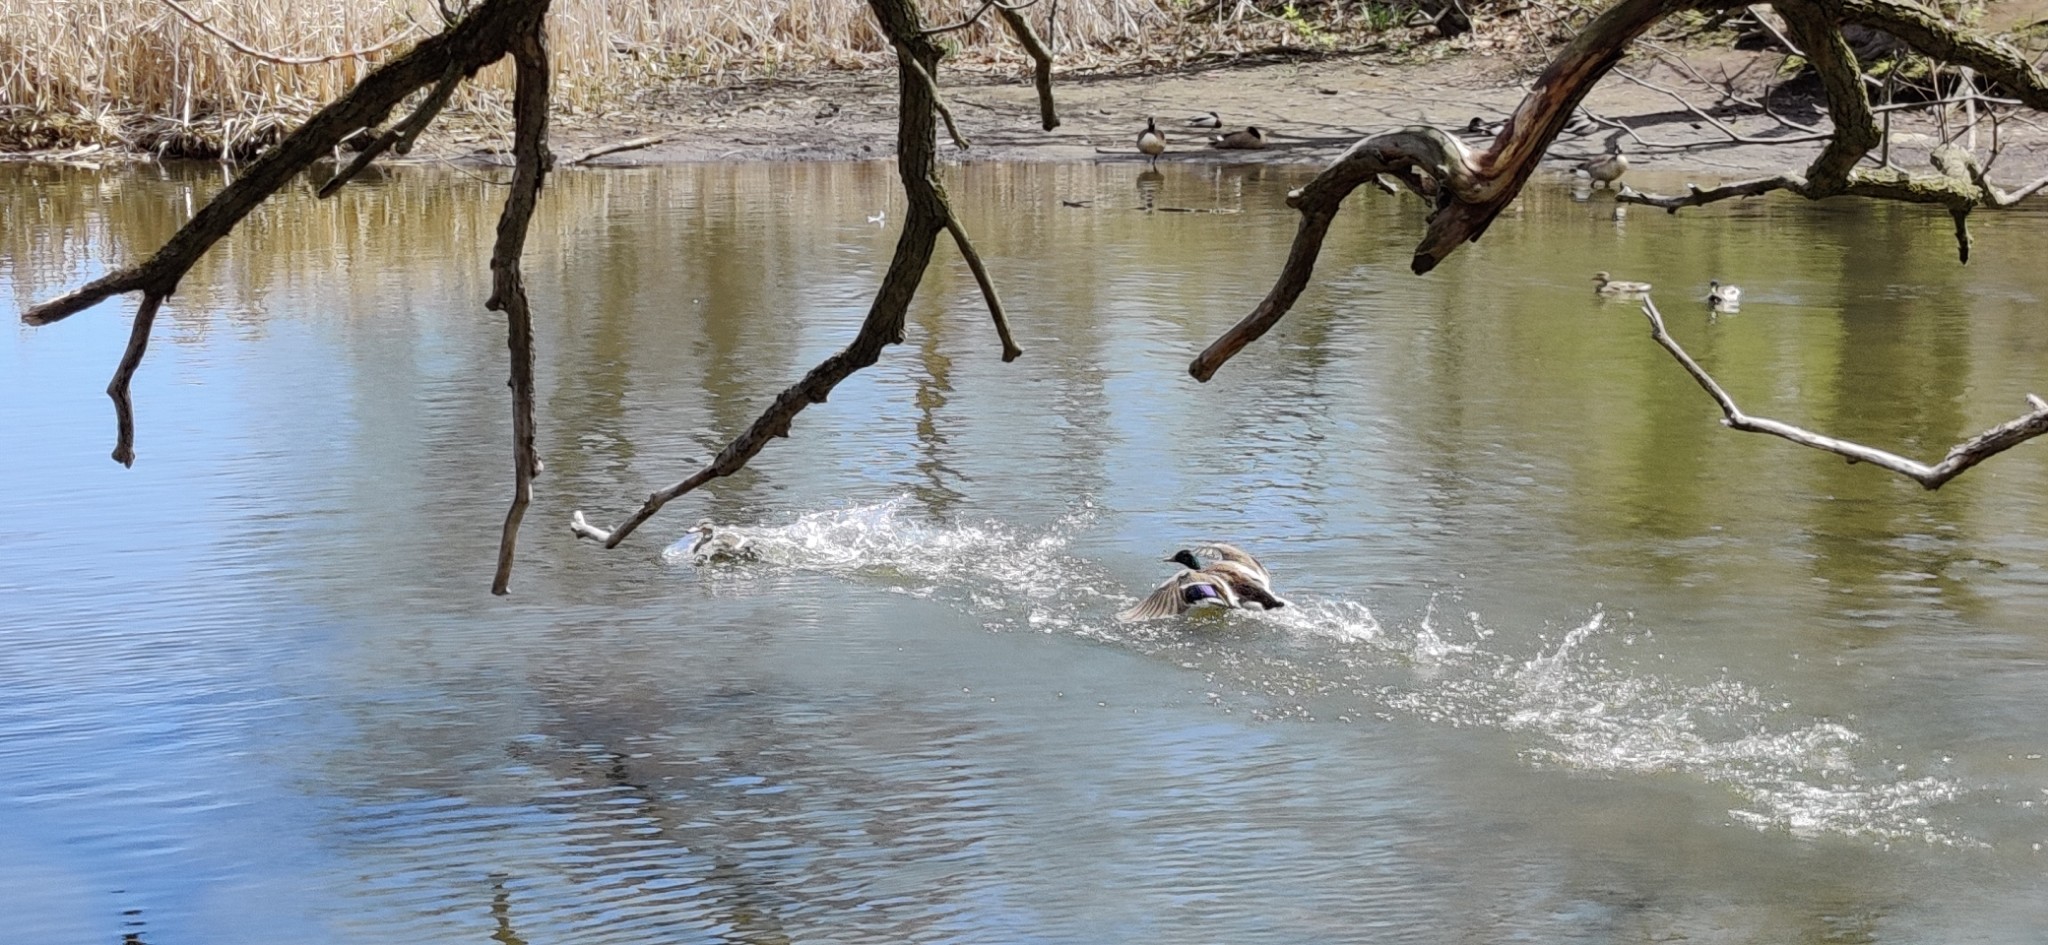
1570, 664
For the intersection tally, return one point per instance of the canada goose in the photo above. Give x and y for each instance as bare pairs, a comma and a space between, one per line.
1607, 286
718, 544
1206, 120
1723, 296
1151, 141
1230, 580
1607, 168
1250, 139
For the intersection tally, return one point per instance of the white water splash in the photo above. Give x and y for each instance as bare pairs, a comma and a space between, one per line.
1579, 707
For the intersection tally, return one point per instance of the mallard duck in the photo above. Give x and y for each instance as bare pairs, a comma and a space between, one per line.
1250, 139
1478, 126
1723, 296
1229, 581
1607, 286
1151, 141
1607, 168
719, 544
1206, 120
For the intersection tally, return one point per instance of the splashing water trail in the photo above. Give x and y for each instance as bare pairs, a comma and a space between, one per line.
1579, 704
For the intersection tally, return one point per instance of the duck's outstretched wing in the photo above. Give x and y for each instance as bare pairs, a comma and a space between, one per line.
1165, 601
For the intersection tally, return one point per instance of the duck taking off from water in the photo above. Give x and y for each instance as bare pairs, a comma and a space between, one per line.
720, 544
1152, 141
1723, 297
1206, 120
1606, 286
1229, 579
1250, 139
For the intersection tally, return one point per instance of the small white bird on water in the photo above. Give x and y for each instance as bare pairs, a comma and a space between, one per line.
1727, 298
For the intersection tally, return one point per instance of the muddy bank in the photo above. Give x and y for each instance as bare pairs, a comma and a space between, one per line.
1311, 111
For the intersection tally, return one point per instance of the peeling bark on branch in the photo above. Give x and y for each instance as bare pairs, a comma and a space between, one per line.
1960, 458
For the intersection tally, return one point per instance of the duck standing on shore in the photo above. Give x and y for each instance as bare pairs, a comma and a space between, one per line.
1250, 139
1152, 141
1206, 120
1228, 579
1607, 168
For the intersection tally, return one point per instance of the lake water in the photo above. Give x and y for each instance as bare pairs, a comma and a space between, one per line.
1569, 663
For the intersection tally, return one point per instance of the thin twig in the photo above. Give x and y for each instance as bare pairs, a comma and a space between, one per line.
1961, 457
988, 288
1732, 134
631, 144
252, 52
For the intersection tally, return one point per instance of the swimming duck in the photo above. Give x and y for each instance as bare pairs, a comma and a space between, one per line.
1607, 286
1229, 581
1250, 139
1206, 120
718, 544
1723, 296
1151, 141
1607, 168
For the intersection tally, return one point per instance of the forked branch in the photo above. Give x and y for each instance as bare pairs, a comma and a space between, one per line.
1960, 458
929, 215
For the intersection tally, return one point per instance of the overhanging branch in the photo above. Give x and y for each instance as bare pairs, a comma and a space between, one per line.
1960, 458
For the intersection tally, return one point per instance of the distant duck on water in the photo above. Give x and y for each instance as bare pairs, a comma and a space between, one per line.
1723, 296
1229, 579
720, 544
1152, 141
1608, 286
1206, 120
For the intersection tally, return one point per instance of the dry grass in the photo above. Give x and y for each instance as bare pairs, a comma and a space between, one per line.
137, 73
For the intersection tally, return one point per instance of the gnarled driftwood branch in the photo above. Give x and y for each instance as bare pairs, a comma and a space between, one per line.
1960, 458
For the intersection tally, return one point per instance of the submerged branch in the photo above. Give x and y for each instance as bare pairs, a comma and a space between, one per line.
1960, 458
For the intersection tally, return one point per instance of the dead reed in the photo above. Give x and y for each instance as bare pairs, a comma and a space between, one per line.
201, 77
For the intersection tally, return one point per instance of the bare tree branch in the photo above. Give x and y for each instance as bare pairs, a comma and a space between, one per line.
131, 358
401, 135
508, 285
988, 286
1041, 58
1719, 125
927, 217
469, 45
938, 102
252, 52
630, 144
1960, 458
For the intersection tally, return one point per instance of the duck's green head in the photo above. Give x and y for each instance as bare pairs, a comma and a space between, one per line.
1185, 559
